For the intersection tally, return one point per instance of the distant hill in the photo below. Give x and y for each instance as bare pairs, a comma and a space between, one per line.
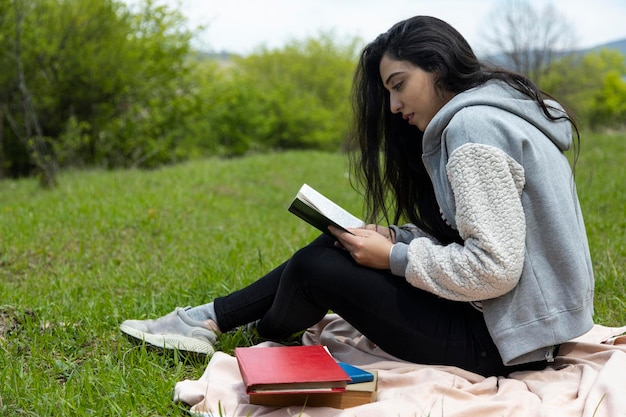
218, 56
619, 45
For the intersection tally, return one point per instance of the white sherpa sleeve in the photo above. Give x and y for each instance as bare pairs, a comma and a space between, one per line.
487, 185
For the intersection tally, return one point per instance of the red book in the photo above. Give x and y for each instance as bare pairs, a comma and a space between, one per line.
290, 369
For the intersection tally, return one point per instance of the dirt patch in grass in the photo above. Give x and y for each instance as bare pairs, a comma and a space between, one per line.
10, 320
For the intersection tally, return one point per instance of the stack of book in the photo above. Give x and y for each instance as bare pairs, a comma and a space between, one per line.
304, 376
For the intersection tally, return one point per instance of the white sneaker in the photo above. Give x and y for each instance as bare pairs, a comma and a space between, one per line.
175, 330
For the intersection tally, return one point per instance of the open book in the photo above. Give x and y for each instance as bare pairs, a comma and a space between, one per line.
321, 212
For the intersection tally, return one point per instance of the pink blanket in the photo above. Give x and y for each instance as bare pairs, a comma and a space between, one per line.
588, 379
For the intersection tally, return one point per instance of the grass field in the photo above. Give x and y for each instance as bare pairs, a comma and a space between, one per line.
107, 246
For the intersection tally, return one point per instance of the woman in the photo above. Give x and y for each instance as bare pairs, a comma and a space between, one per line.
491, 271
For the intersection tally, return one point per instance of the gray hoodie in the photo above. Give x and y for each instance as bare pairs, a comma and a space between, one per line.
501, 179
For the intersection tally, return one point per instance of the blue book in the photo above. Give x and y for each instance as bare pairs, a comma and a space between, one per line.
356, 374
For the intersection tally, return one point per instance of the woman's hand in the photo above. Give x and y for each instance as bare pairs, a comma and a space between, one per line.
367, 247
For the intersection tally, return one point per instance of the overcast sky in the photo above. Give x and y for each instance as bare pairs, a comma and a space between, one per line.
240, 26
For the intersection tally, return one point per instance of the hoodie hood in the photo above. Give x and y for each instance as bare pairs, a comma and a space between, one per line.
499, 95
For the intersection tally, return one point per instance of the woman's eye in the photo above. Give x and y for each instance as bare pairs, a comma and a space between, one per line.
396, 87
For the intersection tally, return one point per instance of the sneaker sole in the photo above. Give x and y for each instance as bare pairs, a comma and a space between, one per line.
182, 343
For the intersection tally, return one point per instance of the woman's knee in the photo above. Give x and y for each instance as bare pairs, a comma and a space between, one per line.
309, 261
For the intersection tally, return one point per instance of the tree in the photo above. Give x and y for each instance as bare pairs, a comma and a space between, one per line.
588, 85
528, 38
106, 83
296, 97
29, 131
145, 118
609, 109
114, 86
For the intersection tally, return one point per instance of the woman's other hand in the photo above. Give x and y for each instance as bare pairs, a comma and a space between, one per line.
382, 230
366, 246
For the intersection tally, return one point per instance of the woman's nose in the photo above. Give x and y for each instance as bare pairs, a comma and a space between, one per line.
395, 106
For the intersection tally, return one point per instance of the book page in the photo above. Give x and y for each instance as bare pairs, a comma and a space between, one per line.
328, 208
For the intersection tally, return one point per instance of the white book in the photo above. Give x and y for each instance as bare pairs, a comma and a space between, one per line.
321, 212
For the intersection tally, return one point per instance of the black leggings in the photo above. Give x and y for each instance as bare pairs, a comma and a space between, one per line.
404, 321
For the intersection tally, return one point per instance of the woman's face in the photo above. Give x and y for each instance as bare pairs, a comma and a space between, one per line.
412, 91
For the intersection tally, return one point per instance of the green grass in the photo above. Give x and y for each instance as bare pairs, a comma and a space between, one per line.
601, 181
107, 246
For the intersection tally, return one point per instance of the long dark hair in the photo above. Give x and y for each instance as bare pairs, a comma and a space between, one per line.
388, 158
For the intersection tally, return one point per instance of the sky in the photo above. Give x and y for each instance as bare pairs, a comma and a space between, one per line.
242, 26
